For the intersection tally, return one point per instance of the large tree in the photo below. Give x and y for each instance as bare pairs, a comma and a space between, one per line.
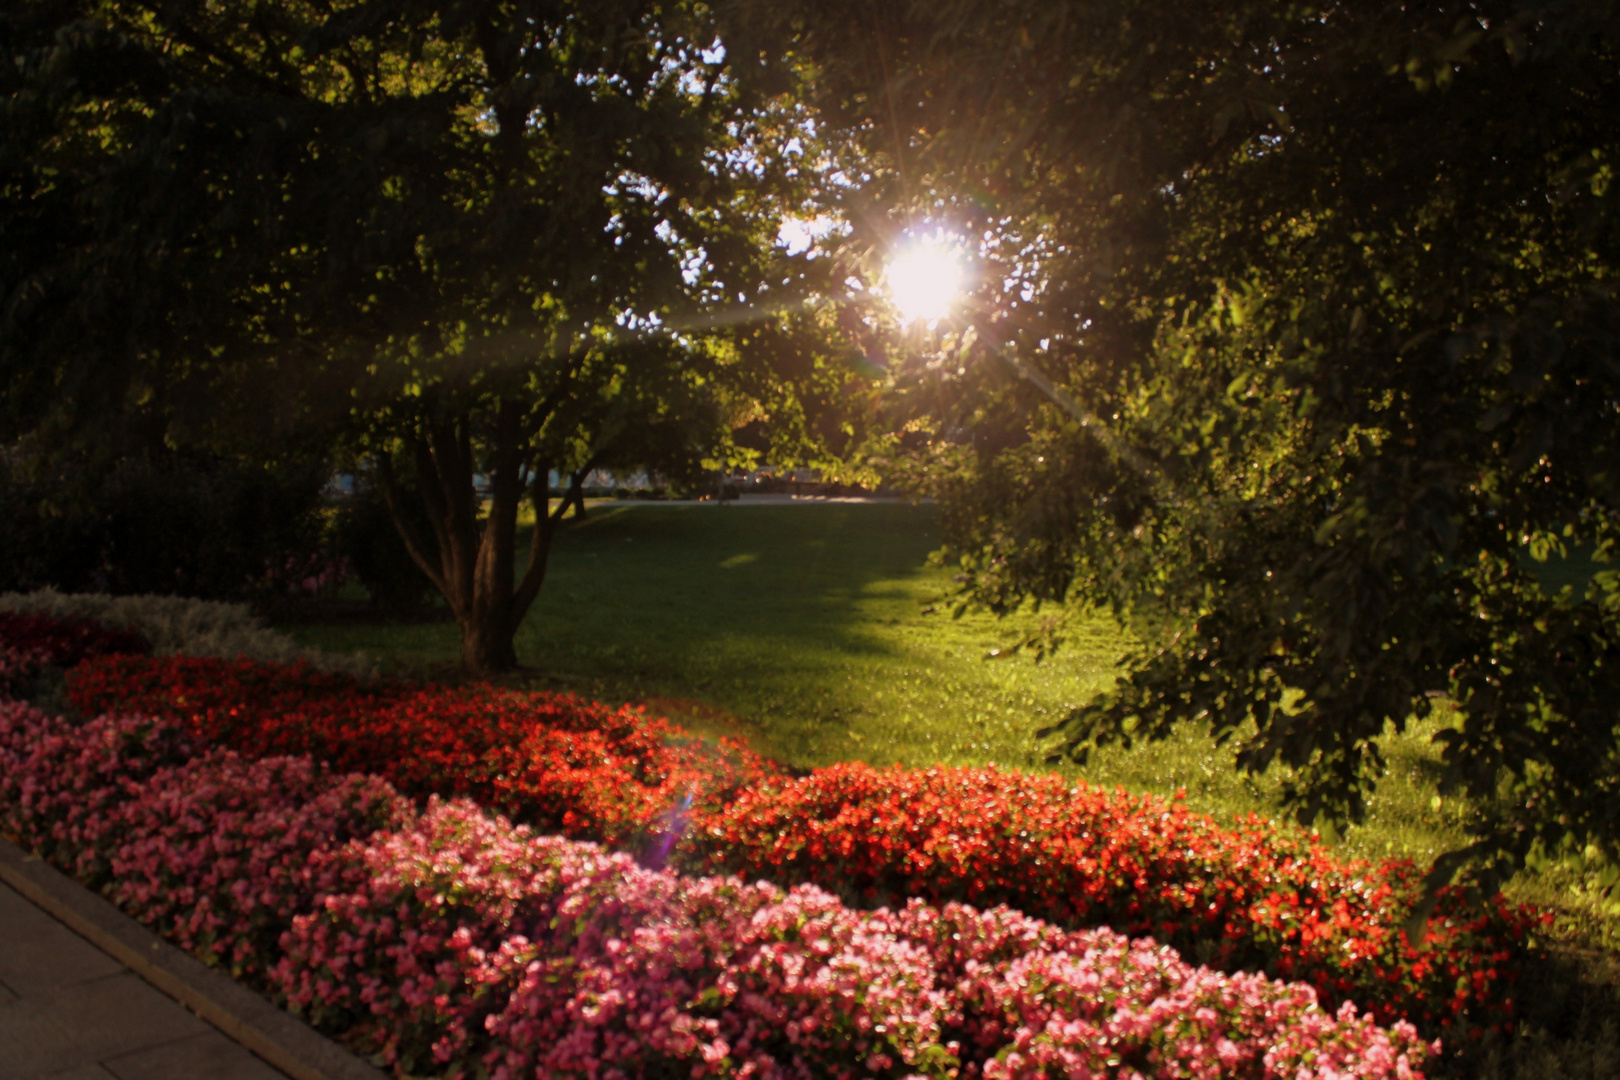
1314, 309
473, 241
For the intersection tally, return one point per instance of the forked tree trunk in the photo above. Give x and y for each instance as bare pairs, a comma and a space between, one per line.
469, 558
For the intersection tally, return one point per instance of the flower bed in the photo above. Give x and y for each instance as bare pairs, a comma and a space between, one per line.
541, 956
66, 642
552, 760
180, 625
453, 942
30, 643
1244, 897
1250, 897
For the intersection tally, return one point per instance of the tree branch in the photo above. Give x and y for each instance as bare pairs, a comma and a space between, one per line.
413, 544
449, 460
545, 527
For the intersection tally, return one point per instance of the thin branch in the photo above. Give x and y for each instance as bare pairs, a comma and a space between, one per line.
434, 495
545, 526
413, 544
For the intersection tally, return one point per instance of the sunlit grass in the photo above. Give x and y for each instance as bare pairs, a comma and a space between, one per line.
820, 633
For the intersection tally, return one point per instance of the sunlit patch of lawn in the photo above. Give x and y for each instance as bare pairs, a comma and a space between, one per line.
821, 633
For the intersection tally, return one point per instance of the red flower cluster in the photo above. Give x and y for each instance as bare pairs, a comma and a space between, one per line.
556, 761
1237, 898
65, 642
453, 942
1247, 897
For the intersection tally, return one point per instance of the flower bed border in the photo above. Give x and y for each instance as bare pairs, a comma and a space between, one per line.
562, 764
474, 860
281, 1039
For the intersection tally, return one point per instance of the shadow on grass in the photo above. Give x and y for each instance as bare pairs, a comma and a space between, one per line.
699, 586
794, 621
780, 614
1569, 1024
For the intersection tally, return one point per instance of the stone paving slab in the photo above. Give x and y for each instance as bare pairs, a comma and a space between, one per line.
87, 993
72, 1010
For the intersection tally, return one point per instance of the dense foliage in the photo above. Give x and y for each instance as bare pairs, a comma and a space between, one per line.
448, 941
1322, 299
156, 521
1248, 898
465, 245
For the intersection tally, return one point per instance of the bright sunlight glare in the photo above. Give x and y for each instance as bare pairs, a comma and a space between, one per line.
925, 278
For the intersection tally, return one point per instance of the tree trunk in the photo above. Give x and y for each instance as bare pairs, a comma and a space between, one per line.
471, 560
487, 647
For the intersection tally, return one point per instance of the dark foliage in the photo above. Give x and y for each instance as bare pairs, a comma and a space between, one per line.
1328, 295
176, 526
363, 532
64, 643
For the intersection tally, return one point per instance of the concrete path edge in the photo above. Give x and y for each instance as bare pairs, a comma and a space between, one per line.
281, 1039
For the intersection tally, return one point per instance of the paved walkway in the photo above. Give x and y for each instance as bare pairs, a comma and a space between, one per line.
68, 1011
758, 500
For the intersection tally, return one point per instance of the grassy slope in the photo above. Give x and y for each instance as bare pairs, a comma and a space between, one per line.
819, 632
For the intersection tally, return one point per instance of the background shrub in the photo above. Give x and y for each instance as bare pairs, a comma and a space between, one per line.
167, 524
364, 535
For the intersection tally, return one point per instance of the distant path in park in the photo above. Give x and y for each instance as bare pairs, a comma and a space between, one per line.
763, 500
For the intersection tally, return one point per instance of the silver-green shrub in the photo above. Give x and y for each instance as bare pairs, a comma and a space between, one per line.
180, 626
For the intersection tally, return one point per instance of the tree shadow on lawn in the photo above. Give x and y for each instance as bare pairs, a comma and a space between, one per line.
809, 622
780, 614
1568, 1006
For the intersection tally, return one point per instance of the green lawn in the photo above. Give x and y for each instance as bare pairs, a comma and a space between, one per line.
821, 633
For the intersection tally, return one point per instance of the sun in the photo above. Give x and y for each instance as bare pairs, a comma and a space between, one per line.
925, 278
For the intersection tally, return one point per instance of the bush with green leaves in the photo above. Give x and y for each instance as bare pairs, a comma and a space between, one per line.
363, 532
1294, 332
163, 523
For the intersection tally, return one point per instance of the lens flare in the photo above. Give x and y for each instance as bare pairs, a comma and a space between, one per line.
925, 278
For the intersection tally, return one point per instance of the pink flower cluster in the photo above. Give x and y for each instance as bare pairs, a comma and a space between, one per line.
62, 783
476, 943
452, 942
216, 852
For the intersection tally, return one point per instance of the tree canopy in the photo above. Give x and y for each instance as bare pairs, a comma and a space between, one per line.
475, 241
1327, 290
1293, 331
